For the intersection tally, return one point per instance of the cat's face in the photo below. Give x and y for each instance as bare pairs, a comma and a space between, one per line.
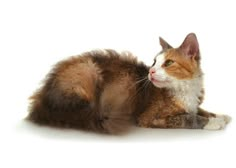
173, 65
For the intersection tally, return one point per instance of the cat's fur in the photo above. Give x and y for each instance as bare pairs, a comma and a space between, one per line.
106, 91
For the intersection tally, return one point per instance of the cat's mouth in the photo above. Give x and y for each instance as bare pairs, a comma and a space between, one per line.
158, 83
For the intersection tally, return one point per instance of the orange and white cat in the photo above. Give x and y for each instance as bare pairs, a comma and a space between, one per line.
106, 91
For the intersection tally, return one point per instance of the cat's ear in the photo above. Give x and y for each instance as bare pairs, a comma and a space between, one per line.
164, 44
190, 47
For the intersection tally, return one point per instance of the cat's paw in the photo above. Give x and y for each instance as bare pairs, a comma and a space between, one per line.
217, 123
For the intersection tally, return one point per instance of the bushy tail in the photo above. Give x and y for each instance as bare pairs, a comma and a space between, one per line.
76, 113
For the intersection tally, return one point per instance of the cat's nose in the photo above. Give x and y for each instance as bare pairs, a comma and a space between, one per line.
152, 70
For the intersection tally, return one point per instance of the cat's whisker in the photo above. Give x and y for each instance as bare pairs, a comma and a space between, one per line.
137, 82
145, 86
147, 82
139, 89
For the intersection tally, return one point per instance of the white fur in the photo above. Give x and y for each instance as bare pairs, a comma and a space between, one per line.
187, 91
217, 123
160, 73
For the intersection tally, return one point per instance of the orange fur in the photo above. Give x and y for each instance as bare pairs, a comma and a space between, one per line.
184, 67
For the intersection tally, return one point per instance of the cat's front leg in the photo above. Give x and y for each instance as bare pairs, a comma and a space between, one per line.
201, 120
185, 120
215, 121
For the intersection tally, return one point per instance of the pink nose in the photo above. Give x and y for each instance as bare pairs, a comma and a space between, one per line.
152, 71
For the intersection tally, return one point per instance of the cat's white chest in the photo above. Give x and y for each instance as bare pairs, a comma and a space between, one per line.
188, 93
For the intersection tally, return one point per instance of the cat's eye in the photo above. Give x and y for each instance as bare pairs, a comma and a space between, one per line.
168, 63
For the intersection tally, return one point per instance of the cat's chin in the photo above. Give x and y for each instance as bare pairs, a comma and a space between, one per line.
160, 84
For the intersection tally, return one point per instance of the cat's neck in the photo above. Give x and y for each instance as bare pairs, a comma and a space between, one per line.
188, 93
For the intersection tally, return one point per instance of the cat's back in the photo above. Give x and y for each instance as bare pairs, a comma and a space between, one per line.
117, 63
103, 61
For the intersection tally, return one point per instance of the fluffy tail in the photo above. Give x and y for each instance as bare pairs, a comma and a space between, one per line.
56, 109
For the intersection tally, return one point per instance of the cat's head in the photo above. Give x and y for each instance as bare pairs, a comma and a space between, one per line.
173, 65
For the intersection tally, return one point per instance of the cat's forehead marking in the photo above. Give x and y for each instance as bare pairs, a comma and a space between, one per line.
158, 54
160, 59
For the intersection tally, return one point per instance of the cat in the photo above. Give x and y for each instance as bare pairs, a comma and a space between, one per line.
109, 92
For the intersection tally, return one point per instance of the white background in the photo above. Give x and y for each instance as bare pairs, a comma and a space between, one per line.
34, 35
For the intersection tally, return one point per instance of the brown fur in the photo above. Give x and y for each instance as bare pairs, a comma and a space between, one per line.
105, 91
166, 106
85, 92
